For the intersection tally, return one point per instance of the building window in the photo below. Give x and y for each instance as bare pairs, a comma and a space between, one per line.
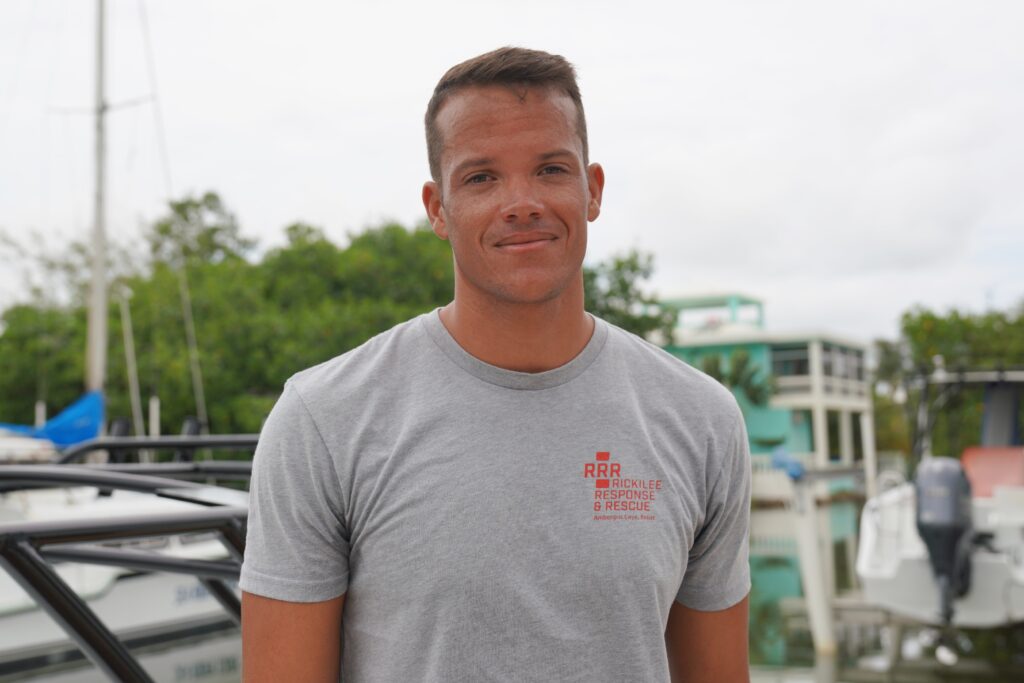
788, 361
858, 366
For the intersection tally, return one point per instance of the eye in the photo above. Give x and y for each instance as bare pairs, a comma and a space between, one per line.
477, 179
552, 170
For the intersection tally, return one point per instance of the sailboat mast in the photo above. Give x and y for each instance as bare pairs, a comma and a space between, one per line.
96, 352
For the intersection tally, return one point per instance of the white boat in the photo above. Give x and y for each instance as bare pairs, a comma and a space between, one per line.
948, 549
896, 572
137, 606
15, 448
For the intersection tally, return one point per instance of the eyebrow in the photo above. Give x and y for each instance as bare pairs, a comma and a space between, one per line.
469, 163
557, 153
486, 161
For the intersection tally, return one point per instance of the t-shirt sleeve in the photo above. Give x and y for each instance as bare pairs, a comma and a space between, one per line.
297, 542
718, 571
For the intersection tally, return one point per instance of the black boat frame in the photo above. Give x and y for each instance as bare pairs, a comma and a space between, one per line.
27, 548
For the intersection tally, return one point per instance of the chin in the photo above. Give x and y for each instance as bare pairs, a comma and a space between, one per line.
525, 293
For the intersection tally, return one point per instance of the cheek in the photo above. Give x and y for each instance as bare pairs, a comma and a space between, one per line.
574, 200
466, 224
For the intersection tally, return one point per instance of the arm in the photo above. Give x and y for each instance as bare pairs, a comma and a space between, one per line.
708, 646
295, 571
290, 641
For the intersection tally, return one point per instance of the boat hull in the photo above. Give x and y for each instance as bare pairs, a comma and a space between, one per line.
896, 574
137, 606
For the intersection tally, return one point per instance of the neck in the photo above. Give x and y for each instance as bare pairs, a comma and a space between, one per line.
530, 337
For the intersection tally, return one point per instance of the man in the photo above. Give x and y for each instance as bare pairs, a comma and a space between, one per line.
506, 489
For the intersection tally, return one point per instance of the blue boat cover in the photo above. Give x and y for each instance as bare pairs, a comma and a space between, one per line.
78, 422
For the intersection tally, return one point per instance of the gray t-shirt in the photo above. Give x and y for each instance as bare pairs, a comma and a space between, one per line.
491, 525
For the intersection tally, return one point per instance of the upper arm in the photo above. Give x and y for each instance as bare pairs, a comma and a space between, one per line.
295, 571
297, 544
290, 641
707, 646
717, 568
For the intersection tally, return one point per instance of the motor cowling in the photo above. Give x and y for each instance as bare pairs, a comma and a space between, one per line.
944, 524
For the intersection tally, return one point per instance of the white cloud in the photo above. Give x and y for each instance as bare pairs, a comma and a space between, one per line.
842, 161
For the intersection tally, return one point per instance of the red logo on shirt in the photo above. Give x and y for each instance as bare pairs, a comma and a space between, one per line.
617, 497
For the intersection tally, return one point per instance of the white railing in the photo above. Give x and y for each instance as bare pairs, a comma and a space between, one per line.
842, 386
792, 384
769, 482
834, 386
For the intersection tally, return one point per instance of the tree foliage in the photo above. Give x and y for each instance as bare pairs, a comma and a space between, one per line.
930, 341
199, 229
740, 374
258, 320
614, 292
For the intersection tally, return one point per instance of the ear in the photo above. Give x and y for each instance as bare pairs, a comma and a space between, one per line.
435, 210
595, 185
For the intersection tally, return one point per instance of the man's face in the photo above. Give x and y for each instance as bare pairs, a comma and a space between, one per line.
514, 196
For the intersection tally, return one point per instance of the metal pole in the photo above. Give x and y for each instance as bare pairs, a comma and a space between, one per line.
133, 370
154, 426
922, 428
233, 536
154, 415
96, 352
193, 352
225, 595
143, 561
37, 579
867, 435
218, 441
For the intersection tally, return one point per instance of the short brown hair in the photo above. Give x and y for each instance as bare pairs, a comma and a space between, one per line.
508, 66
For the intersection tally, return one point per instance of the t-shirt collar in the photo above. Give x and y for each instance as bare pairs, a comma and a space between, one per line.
513, 379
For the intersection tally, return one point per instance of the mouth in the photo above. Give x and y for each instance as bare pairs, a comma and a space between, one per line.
525, 241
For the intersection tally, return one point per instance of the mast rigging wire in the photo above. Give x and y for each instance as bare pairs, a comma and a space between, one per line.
186, 299
158, 117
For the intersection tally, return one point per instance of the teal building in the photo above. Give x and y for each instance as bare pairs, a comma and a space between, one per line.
815, 402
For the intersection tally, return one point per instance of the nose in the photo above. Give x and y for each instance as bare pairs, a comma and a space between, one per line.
520, 203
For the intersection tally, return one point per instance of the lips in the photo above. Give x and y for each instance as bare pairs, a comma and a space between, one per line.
525, 239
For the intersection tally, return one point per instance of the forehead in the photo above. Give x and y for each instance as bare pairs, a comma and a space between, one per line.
477, 119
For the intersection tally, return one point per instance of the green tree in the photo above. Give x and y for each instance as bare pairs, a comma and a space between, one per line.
614, 291
258, 320
393, 264
930, 341
305, 269
197, 229
740, 374
43, 348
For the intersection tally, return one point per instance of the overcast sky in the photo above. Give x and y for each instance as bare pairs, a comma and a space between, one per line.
841, 161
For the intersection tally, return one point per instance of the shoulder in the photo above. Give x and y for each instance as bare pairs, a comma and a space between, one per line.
337, 391
367, 365
667, 379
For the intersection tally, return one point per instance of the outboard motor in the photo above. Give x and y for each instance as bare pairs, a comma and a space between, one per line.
944, 524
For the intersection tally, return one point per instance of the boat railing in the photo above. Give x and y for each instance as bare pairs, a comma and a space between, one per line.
28, 548
187, 445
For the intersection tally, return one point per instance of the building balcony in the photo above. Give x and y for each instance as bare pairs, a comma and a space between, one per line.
793, 385
771, 485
